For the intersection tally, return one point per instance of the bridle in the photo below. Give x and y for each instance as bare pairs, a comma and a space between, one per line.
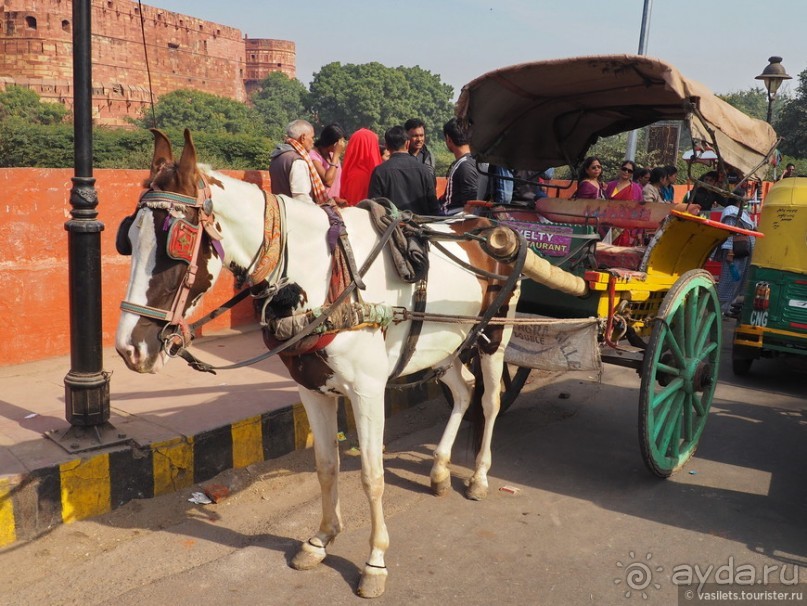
184, 243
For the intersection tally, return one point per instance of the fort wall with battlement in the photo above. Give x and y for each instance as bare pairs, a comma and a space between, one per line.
130, 50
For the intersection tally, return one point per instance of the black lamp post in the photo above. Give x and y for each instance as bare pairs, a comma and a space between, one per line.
772, 76
86, 386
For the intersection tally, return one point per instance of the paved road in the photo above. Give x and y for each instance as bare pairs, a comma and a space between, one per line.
587, 523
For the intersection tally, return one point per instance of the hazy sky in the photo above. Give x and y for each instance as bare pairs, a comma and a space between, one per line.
722, 43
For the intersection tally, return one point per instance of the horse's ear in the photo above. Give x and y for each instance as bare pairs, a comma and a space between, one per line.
187, 171
162, 152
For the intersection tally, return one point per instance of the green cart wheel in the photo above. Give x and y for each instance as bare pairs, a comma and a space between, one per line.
679, 373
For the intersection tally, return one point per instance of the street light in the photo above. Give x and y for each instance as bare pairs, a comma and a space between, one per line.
772, 76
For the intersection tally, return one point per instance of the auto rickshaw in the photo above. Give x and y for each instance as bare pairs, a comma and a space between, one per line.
773, 320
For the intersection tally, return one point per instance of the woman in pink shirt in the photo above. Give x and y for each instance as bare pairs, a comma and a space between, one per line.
326, 156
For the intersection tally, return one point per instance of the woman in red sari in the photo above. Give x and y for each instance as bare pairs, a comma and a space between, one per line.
362, 155
625, 188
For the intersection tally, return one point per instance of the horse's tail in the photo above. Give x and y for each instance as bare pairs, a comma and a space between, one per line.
476, 413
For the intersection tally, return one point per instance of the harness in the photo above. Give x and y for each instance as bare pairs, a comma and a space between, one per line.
266, 275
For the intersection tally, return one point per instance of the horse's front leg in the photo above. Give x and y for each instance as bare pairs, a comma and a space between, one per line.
367, 400
321, 411
458, 379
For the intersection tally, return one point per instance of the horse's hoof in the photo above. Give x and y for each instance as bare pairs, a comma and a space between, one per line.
308, 557
441, 487
476, 491
373, 582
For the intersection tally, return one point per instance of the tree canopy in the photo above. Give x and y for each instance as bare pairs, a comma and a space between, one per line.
200, 111
371, 95
792, 123
20, 102
279, 101
753, 101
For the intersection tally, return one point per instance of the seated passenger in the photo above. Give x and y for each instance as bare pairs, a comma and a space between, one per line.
589, 180
623, 187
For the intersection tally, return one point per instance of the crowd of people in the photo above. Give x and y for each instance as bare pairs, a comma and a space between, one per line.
656, 185
632, 183
399, 167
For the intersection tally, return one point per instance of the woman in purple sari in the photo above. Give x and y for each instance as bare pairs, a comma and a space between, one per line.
589, 180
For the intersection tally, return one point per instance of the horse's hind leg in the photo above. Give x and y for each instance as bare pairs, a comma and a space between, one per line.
457, 378
321, 411
492, 367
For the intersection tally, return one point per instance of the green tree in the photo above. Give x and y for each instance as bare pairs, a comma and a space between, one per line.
792, 122
753, 101
203, 112
374, 96
279, 101
20, 102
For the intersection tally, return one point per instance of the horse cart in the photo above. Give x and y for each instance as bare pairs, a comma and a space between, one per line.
348, 309
649, 307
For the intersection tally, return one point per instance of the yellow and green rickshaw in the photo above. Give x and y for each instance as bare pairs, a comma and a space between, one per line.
773, 321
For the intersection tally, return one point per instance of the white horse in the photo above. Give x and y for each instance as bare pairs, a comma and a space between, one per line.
356, 363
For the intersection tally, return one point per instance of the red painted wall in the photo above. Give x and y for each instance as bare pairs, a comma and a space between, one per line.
34, 286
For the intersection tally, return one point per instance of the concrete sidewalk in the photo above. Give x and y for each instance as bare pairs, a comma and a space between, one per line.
177, 428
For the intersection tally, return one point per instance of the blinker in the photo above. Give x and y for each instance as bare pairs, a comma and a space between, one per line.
207, 207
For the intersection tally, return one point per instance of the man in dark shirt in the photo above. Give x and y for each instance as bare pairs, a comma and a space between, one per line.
403, 179
416, 131
462, 177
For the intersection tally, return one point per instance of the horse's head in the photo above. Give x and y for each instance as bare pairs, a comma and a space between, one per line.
173, 261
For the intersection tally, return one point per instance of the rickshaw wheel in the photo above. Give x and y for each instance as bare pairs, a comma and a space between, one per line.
679, 373
740, 366
513, 380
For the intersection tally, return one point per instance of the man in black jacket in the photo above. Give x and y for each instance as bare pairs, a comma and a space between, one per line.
416, 131
403, 179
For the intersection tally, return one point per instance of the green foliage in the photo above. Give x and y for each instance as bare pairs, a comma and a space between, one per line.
279, 101
374, 96
38, 145
792, 123
20, 102
200, 111
753, 102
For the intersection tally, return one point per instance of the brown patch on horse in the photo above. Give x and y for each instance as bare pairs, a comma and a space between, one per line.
309, 370
490, 288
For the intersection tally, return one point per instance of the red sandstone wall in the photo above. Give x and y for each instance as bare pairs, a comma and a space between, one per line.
34, 282
34, 286
183, 52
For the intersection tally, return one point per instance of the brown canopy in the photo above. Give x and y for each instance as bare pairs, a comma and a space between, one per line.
548, 113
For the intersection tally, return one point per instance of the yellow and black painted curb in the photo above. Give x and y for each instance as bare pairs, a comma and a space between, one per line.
99, 482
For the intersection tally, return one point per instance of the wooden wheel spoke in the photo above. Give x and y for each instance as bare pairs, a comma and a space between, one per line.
660, 415
707, 351
667, 392
671, 428
671, 342
705, 331
691, 319
697, 404
687, 418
